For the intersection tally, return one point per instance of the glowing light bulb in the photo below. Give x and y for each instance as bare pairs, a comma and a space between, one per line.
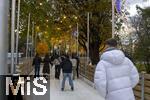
41, 4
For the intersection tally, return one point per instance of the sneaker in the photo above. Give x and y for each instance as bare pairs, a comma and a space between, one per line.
46, 78
62, 89
34, 76
72, 88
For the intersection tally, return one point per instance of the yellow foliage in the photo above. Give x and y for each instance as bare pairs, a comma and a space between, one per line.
42, 48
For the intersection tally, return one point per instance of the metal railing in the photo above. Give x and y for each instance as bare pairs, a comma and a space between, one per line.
25, 67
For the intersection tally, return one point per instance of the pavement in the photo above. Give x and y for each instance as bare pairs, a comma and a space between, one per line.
82, 91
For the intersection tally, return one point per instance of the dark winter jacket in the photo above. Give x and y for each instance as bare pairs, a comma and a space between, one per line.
66, 66
46, 66
37, 61
46, 61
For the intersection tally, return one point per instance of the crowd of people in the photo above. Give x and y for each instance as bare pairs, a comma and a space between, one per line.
115, 74
69, 66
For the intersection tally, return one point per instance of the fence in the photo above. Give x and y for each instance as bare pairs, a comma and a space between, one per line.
86, 70
26, 67
141, 91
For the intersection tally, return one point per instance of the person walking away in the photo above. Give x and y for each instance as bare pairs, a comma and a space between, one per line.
46, 67
67, 72
74, 65
36, 63
77, 68
115, 75
57, 68
56, 62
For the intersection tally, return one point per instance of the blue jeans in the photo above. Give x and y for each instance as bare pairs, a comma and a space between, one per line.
37, 70
65, 76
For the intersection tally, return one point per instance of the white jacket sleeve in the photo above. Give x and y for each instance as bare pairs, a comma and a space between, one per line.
100, 79
134, 75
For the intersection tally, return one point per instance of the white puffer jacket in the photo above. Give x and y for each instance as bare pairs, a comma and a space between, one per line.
115, 76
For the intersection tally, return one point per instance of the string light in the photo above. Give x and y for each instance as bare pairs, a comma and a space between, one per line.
76, 17
41, 4
58, 28
64, 17
70, 26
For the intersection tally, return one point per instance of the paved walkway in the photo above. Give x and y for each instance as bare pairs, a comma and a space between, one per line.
82, 90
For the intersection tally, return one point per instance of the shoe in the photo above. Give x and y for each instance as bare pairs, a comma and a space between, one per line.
72, 88
57, 78
62, 89
46, 78
35, 76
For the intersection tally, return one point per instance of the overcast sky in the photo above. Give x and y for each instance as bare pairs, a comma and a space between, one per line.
134, 1
132, 5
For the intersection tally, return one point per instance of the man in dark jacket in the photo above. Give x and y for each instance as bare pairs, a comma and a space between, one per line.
36, 63
46, 67
67, 72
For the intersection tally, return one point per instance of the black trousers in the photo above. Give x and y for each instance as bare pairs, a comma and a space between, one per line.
77, 70
57, 71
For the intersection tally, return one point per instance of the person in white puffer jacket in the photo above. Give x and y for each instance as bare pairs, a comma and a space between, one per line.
115, 74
